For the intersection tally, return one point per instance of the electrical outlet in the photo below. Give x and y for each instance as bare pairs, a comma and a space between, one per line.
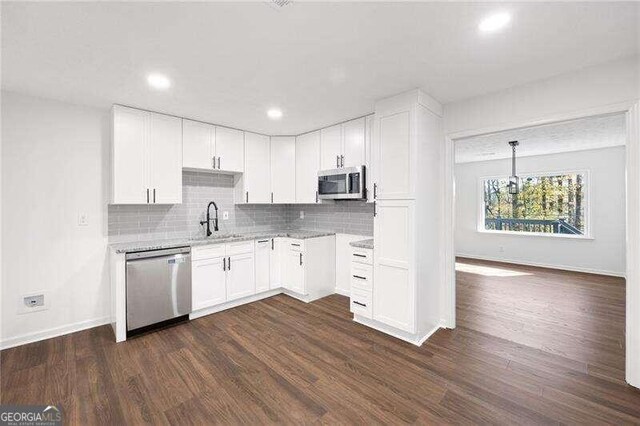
33, 303
301, 214
83, 219
225, 215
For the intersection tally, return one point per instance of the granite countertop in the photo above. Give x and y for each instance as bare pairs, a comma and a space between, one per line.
365, 244
134, 246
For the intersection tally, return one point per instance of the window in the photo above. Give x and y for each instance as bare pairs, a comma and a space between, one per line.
546, 204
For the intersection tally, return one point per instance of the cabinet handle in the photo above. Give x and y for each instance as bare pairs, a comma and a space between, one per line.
147, 195
300, 259
154, 195
272, 244
316, 196
247, 196
213, 162
359, 255
218, 163
360, 304
337, 161
295, 245
374, 209
359, 277
263, 241
224, 263
272, 198
342, 161
375, 190
229, 266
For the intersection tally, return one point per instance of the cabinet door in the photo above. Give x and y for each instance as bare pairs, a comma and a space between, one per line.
241, 280
330, 147
394, 156
283, 169
307, 166
393, 258
294, 271
263, 264
229, 149
208, 283
257, 174
165, 159
369, 157
129, 166
197, 141
354, 140
275, 267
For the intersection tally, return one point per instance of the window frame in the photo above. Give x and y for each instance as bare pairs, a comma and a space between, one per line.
588, 229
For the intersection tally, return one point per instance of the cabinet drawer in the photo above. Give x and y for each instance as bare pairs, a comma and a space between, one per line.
296, 245
241, 247
362, 255
361, 276
361, 302
207, 252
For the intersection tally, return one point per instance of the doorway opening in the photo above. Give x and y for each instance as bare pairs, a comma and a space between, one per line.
543, 266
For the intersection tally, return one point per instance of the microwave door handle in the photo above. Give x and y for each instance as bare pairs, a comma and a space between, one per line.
348, 178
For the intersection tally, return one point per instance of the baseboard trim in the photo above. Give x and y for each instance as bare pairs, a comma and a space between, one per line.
342, 292
234, 303
52, 332
545, 265
414, 339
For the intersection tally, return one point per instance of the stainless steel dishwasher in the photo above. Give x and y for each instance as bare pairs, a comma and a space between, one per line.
158, 288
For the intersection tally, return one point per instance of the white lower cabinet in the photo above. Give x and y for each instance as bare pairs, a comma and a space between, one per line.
263, 264
241, 280
361, 281
221, 273
208, 277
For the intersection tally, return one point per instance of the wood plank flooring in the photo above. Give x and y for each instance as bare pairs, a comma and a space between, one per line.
282, 361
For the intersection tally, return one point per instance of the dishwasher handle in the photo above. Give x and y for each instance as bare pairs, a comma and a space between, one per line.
159, 253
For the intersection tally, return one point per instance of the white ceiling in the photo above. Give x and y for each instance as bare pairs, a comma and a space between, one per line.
576, 135
320, 62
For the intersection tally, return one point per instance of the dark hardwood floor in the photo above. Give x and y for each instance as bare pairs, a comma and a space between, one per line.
282, 361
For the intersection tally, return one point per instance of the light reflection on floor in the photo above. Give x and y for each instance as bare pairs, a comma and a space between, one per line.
489, 271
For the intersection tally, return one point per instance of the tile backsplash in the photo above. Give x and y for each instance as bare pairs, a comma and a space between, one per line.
145, 222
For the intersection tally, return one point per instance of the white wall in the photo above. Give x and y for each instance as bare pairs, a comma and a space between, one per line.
55, 164
591, 87
605, 253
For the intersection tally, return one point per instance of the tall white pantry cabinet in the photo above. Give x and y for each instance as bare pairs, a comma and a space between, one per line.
408, 265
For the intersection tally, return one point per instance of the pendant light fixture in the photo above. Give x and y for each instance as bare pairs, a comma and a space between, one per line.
514, 181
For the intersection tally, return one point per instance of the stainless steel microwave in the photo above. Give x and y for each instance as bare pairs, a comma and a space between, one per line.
347, 183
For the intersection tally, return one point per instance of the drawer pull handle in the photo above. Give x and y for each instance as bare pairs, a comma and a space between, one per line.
359, 255
359, 277
295, 245
360, 304
263, 241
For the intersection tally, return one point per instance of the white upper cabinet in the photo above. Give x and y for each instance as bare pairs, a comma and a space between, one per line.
257, 174
207, 147
394, 156
354, 152
283, 169
331, 147
343, 145
307, 166
146, 157
197, 145
369, 157
229, 150
165, 159
129, 156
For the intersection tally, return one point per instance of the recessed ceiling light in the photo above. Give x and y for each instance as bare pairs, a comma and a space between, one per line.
495, 22
158, 81
275, 113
